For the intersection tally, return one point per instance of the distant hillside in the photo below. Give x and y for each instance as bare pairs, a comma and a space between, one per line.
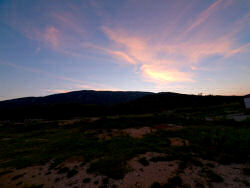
66, 105
77, 97
168, 101
98, 103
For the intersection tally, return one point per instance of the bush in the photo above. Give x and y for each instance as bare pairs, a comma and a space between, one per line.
143, 161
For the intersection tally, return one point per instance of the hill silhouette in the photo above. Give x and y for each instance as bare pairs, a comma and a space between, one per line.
97, 103
79, 97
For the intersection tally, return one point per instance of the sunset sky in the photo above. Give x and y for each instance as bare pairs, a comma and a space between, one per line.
185, 46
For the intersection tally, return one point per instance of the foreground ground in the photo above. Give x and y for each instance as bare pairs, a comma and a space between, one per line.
172, 149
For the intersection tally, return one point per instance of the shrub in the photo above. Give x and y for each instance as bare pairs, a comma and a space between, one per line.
86, 180
143, 161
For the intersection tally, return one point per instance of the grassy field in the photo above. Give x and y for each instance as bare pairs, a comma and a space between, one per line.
40, 142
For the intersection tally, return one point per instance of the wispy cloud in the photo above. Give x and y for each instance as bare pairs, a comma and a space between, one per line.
243, 48
51, 36
203, 16
57, 91
163, 75
177, 61
174, 49
166, 62
39, 71
97, 87
75, 84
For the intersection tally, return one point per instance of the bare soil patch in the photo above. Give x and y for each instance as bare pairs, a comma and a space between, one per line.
138, 132
179, 142
139, 176
133, 132
168, 127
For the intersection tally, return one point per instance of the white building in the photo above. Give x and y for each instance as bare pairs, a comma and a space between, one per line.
247, 102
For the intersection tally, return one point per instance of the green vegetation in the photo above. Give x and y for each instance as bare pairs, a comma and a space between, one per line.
33, 186
143, 161
105, 181
174, 182
211, 165
19, 183
156, 185
212, 176
17, 176
111, 166
63, 170
163, 158
5, 172
199, 185
24, 144
86, 180
246, 171
242, 181
71, 173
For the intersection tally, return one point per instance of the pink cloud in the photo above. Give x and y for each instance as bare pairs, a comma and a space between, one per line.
123, 56
162, 75
203, 16
139, 51
58, 91
97, 87
69, 22
158, 58
241, 49
166, 61
51, 36
197, 51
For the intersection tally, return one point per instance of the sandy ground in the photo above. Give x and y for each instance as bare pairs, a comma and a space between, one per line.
140, 176
135, 132
168, 127
178, 142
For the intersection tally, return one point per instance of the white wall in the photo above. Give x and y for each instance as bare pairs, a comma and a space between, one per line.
247, 102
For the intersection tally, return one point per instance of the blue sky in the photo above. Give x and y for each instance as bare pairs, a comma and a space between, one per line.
178, 46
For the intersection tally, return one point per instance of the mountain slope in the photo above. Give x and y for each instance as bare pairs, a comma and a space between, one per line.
79, 97
168, 101
99, 103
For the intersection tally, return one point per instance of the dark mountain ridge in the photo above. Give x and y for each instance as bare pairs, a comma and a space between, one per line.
98, 103
167, 101
79, 97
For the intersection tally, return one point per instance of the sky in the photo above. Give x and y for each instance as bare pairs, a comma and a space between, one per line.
184, 46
